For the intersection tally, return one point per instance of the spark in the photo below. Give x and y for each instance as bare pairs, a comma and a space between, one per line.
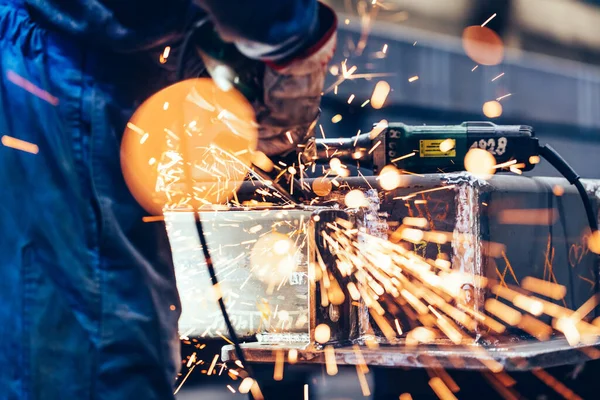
184, 379
425, 191
330, 363
498, 77
293, 356
305, 391
365, 103
531, 216
222, 368
398, 327
447, 145
336, 118
557, 386
488, 20
322, 333
289, 136
440, 389
232, 390
378, 128
505, 164
224, 338
414, 221
380, 94
19, 144
404, 157
385, 48
350, 99
356, 138
505, 313
594, 242
245, 386
413, 78
212, 365
374, 147
545, 288
355, 199
31, 88
364, 386
503, 97
474, 68
279, 361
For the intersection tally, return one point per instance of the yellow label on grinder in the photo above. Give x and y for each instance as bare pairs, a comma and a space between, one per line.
431, 148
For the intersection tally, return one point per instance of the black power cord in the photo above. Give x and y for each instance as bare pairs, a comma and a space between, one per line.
187, 43
573, 177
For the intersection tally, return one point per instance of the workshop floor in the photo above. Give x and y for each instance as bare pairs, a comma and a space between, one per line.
343, 386
473, 385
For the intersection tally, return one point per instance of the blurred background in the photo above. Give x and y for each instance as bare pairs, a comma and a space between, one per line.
549, 79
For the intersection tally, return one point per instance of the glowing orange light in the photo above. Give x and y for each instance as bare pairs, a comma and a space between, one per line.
293, 356
322, 186
480, 162
195, 152
355, 199
19, 144
389, 177
594, 242
447, 145
483, 45
322, 333
380, 94
534, 160
335, 164
492, 109
273, 257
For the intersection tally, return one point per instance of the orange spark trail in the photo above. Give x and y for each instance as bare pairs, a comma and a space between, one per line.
31, 88
19, 144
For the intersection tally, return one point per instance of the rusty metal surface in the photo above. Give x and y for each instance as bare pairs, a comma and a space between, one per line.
522, 356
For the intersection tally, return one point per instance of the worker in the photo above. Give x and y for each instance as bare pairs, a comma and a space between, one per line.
88, 302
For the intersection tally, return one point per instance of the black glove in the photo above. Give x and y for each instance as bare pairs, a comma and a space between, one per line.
285, 95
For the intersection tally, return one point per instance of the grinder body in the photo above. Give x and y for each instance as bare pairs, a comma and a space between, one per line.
396, 143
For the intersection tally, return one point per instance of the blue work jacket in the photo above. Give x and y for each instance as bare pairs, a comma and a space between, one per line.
88, 301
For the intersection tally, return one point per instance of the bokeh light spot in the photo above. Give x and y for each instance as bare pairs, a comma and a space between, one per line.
192, 153
390, 177
480, 162
322, 333
322, 186
273, 258
492, 109
355, 199
483, 45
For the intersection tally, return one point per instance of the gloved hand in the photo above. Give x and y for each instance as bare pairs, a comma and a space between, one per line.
283, 81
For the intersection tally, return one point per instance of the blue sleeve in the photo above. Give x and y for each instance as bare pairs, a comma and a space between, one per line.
123, 26
270, 30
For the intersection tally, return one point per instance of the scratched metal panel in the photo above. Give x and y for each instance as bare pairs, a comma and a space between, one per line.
501, 251
556, 251
255, 306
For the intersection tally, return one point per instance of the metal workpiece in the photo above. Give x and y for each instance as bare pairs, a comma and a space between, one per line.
513, 356
259, 301
502, 229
